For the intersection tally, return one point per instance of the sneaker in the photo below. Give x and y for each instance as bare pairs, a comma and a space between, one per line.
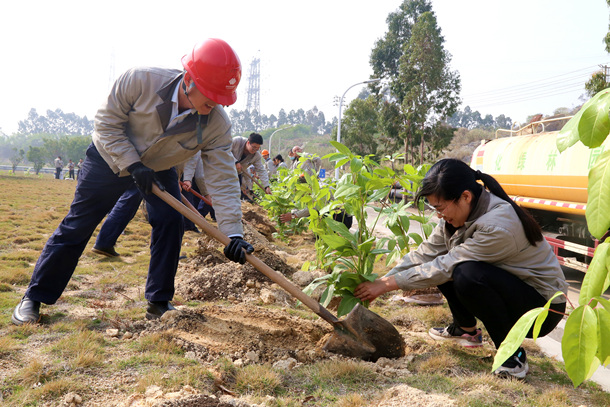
105, 251
515, 366
457, 335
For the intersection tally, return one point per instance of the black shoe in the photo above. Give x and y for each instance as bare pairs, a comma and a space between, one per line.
157, 308
106, 251
27, 312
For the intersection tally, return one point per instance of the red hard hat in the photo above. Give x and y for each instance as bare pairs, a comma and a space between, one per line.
215, 69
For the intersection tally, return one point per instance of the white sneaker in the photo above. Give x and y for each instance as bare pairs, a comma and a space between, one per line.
456, 334
515, 366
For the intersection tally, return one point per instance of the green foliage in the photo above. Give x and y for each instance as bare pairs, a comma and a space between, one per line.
412, 58
351, 255
596, 84
55, 122
37, 156
359, 126
586, 338
282, 201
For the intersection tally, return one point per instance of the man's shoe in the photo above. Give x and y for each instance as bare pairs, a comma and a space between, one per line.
515, 366
157, 308
458, 335
105, 251
27, 312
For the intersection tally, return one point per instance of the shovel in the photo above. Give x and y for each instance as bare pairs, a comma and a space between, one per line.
245, 173
362, 334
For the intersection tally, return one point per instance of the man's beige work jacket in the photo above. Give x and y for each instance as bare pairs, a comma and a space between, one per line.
131, 126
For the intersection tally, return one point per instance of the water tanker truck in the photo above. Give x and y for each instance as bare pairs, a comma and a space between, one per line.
550, 184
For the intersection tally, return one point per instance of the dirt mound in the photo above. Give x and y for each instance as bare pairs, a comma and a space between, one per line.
209, 275
257, 217
244, 331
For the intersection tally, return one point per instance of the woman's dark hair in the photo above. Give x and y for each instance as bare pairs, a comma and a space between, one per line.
448, 178
279, 157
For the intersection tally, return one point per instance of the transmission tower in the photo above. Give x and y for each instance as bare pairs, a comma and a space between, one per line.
254, 86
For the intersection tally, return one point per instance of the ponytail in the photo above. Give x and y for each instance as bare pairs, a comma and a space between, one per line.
449, 178
530, 226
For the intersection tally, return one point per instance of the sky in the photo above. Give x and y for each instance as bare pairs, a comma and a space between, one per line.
516, 58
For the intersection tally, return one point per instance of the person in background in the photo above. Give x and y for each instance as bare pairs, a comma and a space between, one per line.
486, 255
79, 165
268, 162
117, 220
70, 169
152, 120
59, 164
277, 163
311, 164
246, 153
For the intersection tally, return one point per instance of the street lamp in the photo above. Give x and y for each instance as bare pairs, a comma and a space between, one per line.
340, 106
271, 137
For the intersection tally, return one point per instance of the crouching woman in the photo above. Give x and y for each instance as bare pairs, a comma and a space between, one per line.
487, 256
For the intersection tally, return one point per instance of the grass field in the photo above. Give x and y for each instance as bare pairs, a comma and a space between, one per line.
73, 353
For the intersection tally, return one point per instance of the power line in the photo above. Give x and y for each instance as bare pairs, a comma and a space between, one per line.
539, 81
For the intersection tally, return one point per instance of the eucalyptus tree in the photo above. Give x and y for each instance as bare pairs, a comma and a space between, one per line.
412, 60
431, 89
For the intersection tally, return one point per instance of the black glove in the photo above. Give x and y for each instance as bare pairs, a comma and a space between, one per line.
144, 177
234, 251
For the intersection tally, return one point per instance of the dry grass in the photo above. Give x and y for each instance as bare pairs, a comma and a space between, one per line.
69, 351
258, 380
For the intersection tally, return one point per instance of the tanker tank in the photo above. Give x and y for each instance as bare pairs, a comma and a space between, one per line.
552, 185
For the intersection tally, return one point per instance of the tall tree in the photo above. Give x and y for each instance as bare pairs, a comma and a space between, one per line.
359, 126
430, 88
55, 122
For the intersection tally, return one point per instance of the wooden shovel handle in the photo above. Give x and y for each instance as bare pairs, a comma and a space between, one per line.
275, 276
252, 179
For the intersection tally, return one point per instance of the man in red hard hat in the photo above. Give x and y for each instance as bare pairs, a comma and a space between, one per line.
153, 119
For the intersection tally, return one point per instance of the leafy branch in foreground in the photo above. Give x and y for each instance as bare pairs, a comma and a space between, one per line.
586, 338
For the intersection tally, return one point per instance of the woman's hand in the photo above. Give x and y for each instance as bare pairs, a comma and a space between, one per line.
286, 217
368, 291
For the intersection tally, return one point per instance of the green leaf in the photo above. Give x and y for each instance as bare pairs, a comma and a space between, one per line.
340, 147
347, 191
335, 157
597, 278
355, 165
416, 238
515, 337
598, 202
594, 125
335, 242
341, 230
579, 344
327, 295
603, 332
540, 319
569, 134
396, 254
348, 302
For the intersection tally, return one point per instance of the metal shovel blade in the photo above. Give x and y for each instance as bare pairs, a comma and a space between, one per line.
366, 335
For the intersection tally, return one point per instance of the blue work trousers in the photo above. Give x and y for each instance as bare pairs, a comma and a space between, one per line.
97, 191
119, 217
